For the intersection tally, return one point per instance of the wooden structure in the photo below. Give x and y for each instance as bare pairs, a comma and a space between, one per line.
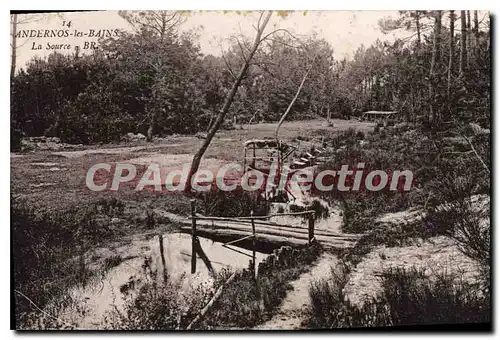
258, 232
249, 233
261, 153
254, 228
268, 234
378, 116
266, 155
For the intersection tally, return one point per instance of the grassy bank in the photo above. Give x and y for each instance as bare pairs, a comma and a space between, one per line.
442, 162
247, 302
448, 176
50, 250
408, 297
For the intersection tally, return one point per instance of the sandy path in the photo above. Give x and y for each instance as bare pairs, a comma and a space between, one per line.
292, 310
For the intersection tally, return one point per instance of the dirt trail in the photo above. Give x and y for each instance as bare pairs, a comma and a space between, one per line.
292, 310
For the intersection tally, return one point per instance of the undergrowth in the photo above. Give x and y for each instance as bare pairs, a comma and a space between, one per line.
408, 297
49, 249
246, 302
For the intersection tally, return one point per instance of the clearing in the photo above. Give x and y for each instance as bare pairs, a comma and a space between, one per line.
57, 178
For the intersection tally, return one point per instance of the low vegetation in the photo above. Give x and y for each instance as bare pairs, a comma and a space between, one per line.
244, 302
443, 170
164, 305
247, 302
320, 209
233, 203
45, 260
449, 197
50, 247
408, 297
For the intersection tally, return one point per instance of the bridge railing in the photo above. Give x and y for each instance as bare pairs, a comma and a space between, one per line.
252, 220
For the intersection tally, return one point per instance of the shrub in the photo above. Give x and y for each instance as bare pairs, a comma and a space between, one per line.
48, 254
156, 307
325, 293
247, 302
413, 298
235, 203
161, 306
165, 304
360, 135
408, 297
360, 212
330, 307
469, 227
320, 210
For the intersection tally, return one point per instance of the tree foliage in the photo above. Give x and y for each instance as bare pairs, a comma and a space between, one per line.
156, 81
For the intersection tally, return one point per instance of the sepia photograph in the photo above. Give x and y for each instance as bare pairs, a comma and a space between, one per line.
265, 170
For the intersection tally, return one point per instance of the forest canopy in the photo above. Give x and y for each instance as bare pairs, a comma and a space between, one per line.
156, 81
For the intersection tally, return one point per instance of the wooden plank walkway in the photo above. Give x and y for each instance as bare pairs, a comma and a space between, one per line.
266, 231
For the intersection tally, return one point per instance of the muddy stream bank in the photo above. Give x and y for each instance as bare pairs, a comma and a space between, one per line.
140, 263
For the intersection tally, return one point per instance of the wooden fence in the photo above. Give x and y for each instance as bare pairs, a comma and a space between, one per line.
247, 220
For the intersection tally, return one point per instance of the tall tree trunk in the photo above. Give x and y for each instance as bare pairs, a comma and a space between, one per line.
14, 46
439, 16
412, 103
463, 43
417, 22
163, 28
227, 102
476, 34
434, 61
451, 51
469, 39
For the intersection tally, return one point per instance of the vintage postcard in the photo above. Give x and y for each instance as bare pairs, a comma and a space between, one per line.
250, 170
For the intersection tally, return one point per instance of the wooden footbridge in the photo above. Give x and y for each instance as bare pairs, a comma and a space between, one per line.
252, 231
258, 232
269, 232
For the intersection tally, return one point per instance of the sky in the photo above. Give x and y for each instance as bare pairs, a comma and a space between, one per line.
344, 30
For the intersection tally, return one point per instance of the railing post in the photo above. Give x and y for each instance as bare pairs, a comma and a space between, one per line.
162, 255
254, 272
193, 235
311, 228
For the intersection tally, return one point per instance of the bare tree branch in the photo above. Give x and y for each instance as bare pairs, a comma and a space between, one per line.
228, 66
477, 155
44, 312
292, 102
280, 30
241, 50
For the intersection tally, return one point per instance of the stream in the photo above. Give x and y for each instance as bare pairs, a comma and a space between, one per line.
109, 292
139, 262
